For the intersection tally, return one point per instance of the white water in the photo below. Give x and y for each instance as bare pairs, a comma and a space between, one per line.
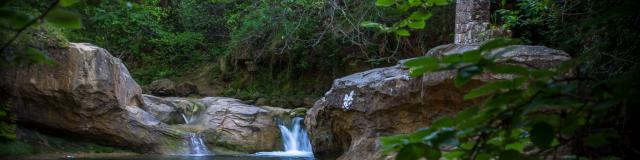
188, 120
194, 143
194, 146
295, 140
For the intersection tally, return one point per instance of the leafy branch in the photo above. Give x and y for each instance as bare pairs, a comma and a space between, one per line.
527, 116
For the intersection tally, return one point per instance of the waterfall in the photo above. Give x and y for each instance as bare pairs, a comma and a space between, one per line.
295, 140
194, 146
190, 119
194, 143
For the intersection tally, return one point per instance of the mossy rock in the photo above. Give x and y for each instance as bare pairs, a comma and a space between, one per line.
298, 112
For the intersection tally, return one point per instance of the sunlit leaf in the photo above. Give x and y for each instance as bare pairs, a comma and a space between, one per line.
417, 25
402, 32
67, 3
420, 16
385, 3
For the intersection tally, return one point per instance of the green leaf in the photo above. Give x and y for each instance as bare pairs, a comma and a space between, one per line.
510, 155
601, 138
542, 134
384, 3
414, 3
420, 61
497, 43
370, 24
437, 2
34, 56
472, 56
487, 89
420, 16
508, 69
431, 153
402, 32
411, 152
442, 122
466, 73
417, 25
389, 143
13, 18
64, 18
67, 3
466, 114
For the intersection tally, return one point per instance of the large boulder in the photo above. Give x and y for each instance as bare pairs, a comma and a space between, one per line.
227, 123
360, 108
233, 125
89, 94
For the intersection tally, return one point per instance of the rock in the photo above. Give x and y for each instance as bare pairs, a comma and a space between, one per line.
280, 102
185, 89
160, 108
162, 87
295, 102
262, 102
240, 127
308, 101
360, 108
88, 94
228, 124
298, 112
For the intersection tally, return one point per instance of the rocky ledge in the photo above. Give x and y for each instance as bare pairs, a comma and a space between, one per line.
360, 108
90, 95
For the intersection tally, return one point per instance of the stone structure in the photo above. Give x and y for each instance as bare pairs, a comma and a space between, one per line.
472, 21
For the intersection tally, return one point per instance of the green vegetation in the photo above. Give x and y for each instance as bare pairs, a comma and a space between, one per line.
577, 110
295, 48
264, 48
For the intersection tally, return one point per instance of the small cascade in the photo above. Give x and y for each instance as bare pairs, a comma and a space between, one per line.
194, 146
295, 140
194, 142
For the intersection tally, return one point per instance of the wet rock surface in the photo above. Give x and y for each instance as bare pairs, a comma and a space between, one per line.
364, 106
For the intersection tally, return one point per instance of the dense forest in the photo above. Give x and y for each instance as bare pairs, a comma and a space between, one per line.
293, 53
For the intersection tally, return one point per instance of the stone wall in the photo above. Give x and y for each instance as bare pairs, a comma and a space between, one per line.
472, 21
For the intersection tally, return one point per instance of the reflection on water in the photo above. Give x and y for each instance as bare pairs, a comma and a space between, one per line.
216, 157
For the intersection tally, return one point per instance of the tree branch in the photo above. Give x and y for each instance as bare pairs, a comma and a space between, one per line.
33, 21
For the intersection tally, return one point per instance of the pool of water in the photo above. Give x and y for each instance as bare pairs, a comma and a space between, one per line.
215, 157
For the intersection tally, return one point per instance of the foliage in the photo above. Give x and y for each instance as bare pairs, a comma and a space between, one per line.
533, 115
18, 17
417, 10
15, 148
604, 32
7, 122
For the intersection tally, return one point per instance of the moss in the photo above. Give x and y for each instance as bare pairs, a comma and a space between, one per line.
298, 112
16, 148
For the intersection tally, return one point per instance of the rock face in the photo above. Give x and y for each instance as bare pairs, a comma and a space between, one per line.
472, 20
88, 93
227, 123
364, 106
162, 87
185, 89
233, 125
